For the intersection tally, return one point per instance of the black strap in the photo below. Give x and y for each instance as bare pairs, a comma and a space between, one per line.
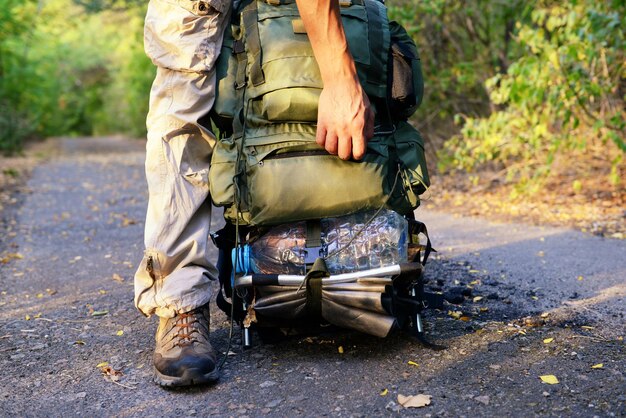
265, 280
249, 16
416, 228
313, 283
242, 62
313, 233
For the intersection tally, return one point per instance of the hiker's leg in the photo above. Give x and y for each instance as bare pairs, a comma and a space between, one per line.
183, 38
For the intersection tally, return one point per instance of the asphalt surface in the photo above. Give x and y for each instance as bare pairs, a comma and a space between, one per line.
536, 301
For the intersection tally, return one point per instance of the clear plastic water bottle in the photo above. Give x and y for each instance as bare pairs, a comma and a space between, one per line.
350, 243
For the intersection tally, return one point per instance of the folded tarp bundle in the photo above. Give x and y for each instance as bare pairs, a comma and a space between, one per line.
372, 301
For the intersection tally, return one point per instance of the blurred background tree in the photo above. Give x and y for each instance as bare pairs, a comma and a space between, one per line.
71, 68
525, 82
511, 85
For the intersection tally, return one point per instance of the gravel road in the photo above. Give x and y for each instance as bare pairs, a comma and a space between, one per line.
536, 301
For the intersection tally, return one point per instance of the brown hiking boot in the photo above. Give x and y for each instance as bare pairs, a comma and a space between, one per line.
183, 354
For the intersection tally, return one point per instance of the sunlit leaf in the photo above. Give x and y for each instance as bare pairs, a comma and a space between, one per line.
549, 379
455, 314
415, 401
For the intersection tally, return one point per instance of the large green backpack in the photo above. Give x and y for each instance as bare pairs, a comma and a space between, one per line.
266, 167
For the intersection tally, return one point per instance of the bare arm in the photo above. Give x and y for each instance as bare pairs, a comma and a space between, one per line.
345, 120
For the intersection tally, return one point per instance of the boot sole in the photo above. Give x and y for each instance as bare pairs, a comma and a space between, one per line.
189, 378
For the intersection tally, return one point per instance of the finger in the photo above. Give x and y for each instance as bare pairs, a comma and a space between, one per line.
320, 134
345, 148
358, 146
331, 143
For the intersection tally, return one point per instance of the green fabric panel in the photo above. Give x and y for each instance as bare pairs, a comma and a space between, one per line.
294, 104
228, 69
410, 149
222, 172
283, 191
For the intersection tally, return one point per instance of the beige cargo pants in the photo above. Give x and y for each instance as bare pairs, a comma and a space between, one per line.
183, 39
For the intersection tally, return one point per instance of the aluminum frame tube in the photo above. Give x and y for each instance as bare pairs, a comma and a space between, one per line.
295, 280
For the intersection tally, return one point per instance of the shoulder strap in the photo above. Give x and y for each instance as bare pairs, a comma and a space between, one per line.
379, 38
249, 17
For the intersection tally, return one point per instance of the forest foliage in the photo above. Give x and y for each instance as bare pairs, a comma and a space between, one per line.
510, 84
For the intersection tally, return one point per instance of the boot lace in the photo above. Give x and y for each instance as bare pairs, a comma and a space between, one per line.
187, 324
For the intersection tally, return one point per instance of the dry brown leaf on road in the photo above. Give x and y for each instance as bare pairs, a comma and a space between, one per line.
110, 372
414, 401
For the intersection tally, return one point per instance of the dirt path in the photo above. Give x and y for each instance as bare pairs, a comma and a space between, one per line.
544, 301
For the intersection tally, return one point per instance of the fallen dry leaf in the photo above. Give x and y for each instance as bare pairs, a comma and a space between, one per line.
384, 392
598, 366
548, 340
477, 299
549, 379
455, 314
412, 363
110, 372
250, 317
415, 401
11, 256
119, 333
533, 322
118, 278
